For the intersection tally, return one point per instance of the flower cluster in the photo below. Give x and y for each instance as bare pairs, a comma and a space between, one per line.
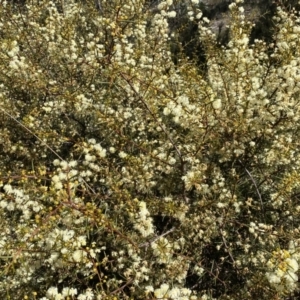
143, 222
283, 268
165, 292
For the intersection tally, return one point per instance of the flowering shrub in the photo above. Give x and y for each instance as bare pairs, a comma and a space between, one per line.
126, 176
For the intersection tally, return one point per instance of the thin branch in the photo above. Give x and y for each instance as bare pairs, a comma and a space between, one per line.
255, 185
146, 244
31, 132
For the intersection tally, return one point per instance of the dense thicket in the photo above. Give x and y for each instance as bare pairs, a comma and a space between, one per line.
127, 172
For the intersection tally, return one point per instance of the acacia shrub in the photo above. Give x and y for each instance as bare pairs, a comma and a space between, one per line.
125, 176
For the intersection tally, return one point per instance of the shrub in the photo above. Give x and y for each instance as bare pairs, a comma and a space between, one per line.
126, 176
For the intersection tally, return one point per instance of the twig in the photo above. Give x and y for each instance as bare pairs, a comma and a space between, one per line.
255, 185
31, 132
146, 244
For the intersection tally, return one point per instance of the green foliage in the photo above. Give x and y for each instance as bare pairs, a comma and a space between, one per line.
129, 174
